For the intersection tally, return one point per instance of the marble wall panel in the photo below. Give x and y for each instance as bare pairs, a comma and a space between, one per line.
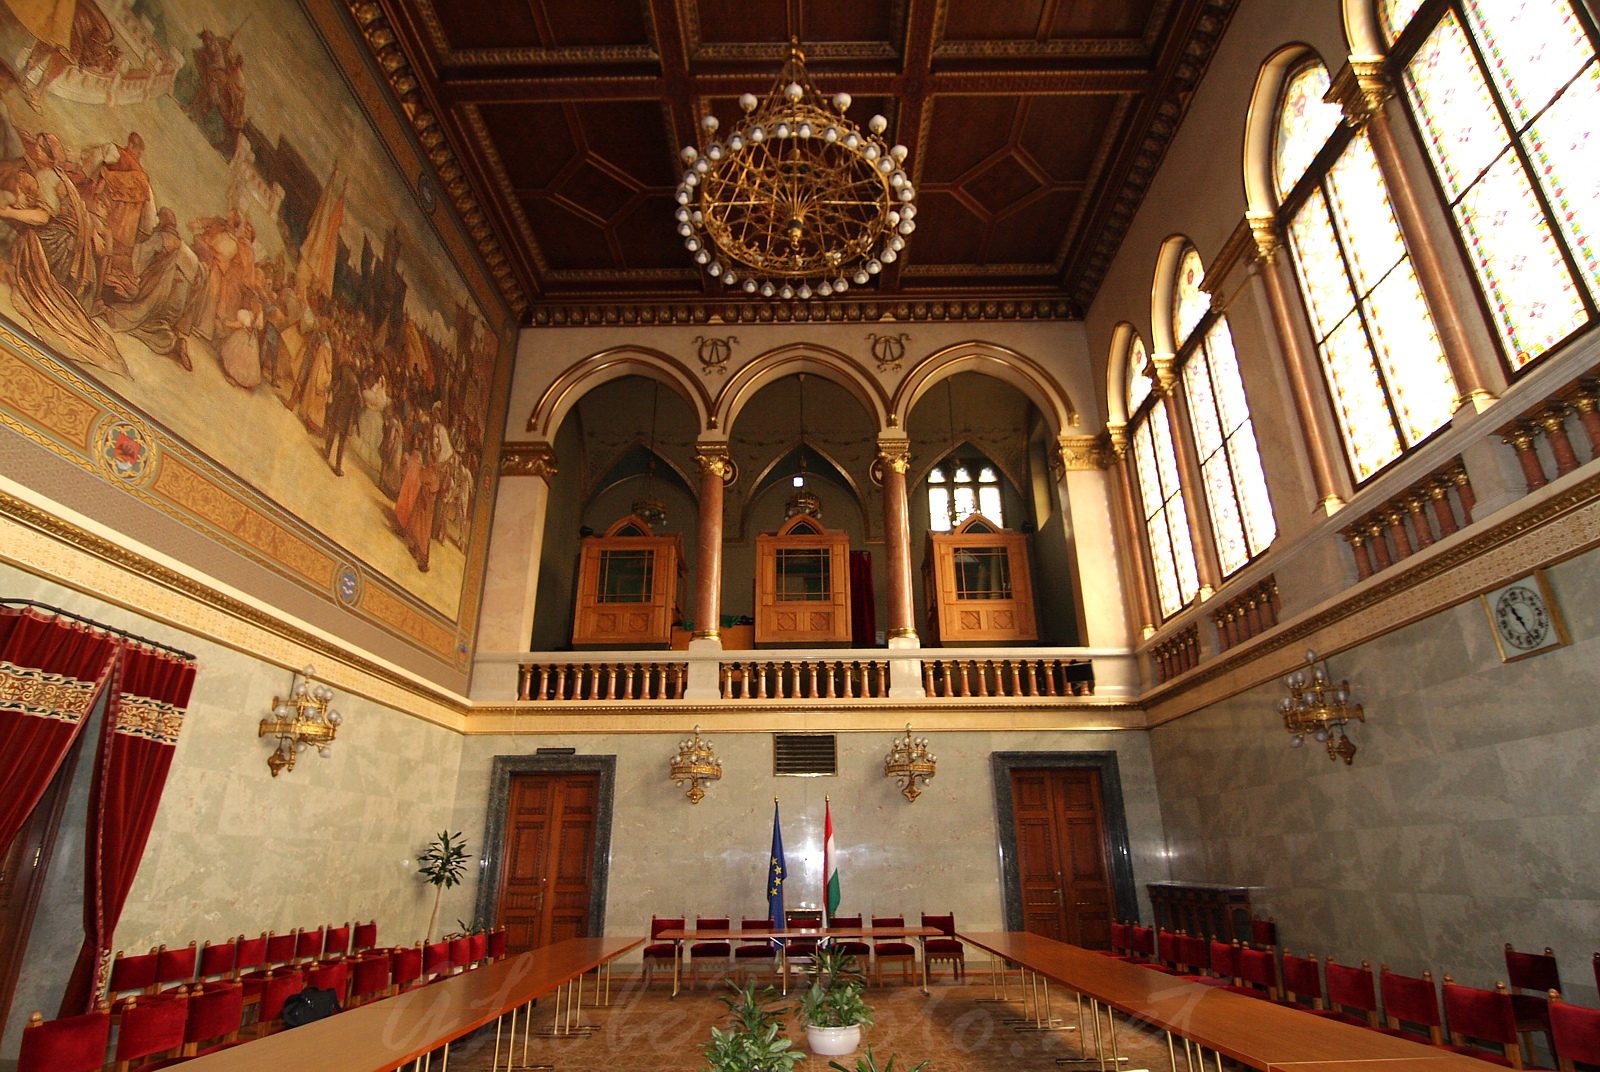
1467, 820
939, 854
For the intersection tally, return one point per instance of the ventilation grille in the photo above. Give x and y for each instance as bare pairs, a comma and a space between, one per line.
804, 755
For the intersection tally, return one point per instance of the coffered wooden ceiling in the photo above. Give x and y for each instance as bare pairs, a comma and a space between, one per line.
1034, 128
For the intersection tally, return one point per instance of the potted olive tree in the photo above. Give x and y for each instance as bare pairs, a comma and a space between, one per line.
832, 1010
754, 1039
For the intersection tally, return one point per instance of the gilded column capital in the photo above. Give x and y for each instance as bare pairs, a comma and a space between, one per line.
713, 460
1264, 229
894, 454
528, 458
1080, 453
1117, 438
1166, 370
1362, 87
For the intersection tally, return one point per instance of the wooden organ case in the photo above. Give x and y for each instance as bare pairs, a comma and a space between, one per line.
629, 585
803, 584
978, 585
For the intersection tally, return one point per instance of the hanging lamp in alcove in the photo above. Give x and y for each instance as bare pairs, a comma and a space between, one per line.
650, 509
803, 501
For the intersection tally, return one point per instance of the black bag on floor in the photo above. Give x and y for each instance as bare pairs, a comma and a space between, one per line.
309, 1006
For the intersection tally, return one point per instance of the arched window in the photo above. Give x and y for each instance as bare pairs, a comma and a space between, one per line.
960, 487
1230, 464
1379, 350
1161, 505
1506, 97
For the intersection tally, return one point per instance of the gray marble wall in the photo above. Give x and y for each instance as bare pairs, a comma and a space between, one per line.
669, 857
1468, 820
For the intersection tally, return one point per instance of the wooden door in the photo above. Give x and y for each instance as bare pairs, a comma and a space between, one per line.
1061, 856
547, 860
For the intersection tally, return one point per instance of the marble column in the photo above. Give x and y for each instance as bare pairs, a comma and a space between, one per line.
715, 470
511, 579
1137, 567
894, 459
1092, 547
1362, 87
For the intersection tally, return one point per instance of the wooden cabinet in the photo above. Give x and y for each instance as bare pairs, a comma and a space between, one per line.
978, 585
1202, 909
803, 584
629, 585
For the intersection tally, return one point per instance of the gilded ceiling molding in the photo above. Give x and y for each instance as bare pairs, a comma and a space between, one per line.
813, 312
391, 59
528, 458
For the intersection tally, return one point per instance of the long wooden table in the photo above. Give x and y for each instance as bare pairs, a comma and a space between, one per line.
867, 934
1257, 1033
387, 1034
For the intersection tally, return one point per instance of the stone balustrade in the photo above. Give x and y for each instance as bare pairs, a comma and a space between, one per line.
805, 679
1177, 653
1007, 677
572, 680
1549, 423
1255, 610
1430, 509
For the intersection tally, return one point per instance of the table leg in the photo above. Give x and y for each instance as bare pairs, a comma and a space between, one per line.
1022, 975
924, 941
783, 962
996, 982
677, 960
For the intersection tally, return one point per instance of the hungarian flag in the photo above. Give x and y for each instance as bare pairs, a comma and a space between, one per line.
830, 863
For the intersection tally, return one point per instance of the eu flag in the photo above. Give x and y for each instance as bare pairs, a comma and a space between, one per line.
777, 871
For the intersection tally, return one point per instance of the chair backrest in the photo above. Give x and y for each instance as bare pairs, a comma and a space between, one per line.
407, 966
1121, 938
1533, 971
479, 946
497, 943
133, 974
151, 1027
309, 946
281, 947
1144, 941
1224, 959
666, 923
366, 935
176, 965
70, 1044
1408, 998
946, 923
217, 961
1167, 948
250, 953
371, 975
334, 975
1480, 1014
1351, 987
1264, 933
214, 1013
277, 990
436, 958
1257, 967
1574, 1029
1301, 978
461, 951
337, 943
888, 921
845, 922
1192, 952
712, 923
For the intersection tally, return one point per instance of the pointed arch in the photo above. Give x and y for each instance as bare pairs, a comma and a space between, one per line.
787, 360
836, 474
613, 364
1001, 362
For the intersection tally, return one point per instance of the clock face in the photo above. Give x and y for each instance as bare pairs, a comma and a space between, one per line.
1522, 617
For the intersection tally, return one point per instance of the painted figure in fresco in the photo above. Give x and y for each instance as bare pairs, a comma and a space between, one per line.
241, 352
344, 407
66, 33
161, 312
120, 197
221, 83
316, 377
370, 425
223, 246
70, 239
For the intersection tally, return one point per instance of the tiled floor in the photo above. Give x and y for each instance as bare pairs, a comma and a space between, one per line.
651, 1031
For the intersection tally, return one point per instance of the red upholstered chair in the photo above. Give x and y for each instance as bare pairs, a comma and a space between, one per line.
176, 965
1144, 943
132, 976
1302, 982
460, 953
281, 948
657, 954
710, 953
1121, 943
331, 975
852, 947
1225, 962
308, 946
249, 954
1538, 973
1576, 1031
1410, 1000
336, 943
497, 944
755, 954
275, 990
1351, 988
217, 962
1258, 974
70, 1044
406, 967
947, 948
214, 1019
277, 953
1194, 956
150, 1031
369, 978
1168, 958
478, 948
894, 951
436, 961
1484, 1015
1264, 934
366, 936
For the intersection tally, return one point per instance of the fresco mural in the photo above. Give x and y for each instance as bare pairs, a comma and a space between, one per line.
196, 214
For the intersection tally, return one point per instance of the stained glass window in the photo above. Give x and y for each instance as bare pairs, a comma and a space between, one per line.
1506, 94
1396, 15
1380, 352
1230, 463
1305, 123
1138, 382
1189, 302
1166, 520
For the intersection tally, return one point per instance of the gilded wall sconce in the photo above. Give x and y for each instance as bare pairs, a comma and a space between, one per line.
695, 763
301, 720
910, 764
1317, 706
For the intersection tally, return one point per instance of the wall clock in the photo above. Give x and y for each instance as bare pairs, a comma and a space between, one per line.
1524, 617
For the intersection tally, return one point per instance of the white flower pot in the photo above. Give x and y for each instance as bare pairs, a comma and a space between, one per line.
833, 1041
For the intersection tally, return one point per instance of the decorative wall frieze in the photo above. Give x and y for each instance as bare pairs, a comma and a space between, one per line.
391, 59
535, 458
812, 312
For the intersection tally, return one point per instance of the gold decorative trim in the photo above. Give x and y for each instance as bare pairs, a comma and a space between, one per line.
1362, 87
26, 690
812, 312
1076, 454
528, 458
714, 460
151, 720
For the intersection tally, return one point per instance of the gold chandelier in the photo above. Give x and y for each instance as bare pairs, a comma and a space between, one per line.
910, 764
798, 202
301, 720
695, 763
1316, 706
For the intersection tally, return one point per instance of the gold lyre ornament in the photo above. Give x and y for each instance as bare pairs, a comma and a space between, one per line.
695, 763
301, 720
910, 764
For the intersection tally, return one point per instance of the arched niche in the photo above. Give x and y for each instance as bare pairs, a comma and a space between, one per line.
1363, 33
820, 465
999, 362
1261, 196
1122, 337
1162, 288
616, 363
819, 361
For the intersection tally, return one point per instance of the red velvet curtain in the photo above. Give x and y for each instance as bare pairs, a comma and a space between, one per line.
150, 692
863, 603
51, 674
